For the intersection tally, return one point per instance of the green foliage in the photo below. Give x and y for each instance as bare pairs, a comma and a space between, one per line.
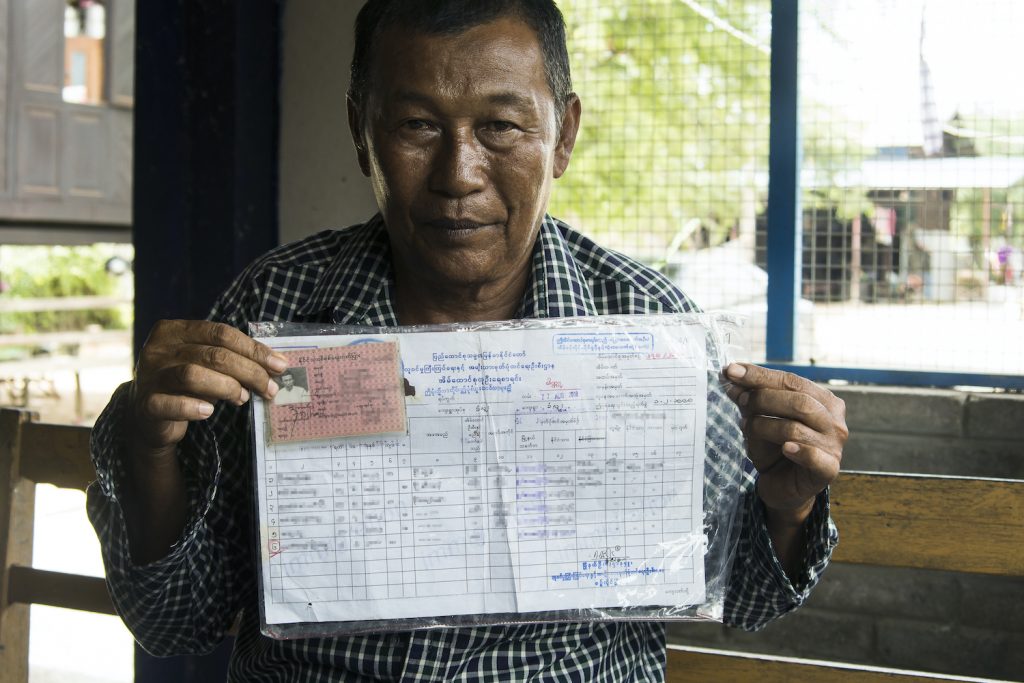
675, 122
830, 154
44, 272
994, 136
991, 136
675, 115
1006, 213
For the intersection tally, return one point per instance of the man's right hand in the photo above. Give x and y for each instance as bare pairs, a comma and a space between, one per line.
185, 367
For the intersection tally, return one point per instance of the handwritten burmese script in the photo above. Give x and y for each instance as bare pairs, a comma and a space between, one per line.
353, 390
543, 468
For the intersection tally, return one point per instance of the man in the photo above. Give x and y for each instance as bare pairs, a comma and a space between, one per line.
290, 392
462, 115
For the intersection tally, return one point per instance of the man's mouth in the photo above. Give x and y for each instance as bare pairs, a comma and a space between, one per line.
457, 226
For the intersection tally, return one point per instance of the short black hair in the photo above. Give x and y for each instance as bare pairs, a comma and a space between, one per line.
451, 17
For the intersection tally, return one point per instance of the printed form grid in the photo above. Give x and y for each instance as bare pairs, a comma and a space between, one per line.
371, 520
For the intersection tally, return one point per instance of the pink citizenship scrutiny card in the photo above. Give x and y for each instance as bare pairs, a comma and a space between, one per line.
354, 390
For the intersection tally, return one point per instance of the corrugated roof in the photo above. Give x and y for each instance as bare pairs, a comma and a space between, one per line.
926, 174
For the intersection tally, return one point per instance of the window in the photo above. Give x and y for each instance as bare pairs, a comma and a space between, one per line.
85, 29
672, 162
911, 183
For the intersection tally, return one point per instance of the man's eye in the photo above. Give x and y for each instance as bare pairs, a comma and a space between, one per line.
416, 124
501, 126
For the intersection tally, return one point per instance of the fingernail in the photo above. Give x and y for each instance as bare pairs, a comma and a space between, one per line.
205, 410
272, 388
736, 371
277, 362
744, 398
790, 447
243, 398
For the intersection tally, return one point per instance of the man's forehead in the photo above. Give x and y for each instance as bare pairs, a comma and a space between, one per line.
507, 98
501, 61
506, 26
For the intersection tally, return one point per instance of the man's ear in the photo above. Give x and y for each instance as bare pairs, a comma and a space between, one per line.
357, 128
567, 134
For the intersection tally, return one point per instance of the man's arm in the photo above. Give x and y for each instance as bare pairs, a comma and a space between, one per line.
171, 500
185, 368
786, 529
795, 433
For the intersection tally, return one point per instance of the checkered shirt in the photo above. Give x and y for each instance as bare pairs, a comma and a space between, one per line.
186, 602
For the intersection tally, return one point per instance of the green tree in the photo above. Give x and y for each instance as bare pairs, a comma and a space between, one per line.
49, 272
676, 120
675, 114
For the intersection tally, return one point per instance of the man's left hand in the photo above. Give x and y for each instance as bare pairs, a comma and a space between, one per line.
795, 433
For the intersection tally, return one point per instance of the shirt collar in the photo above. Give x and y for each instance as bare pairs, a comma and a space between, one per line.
357, 288
558, 288
355, 282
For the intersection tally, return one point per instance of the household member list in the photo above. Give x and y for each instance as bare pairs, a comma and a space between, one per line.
539, 469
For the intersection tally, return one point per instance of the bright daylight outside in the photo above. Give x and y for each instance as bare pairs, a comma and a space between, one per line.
912, 181
912, 191
66, 278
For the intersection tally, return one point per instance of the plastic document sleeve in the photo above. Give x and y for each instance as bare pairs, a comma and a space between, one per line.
497, 473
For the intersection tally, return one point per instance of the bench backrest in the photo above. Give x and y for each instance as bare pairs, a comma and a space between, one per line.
931, 522
891, 520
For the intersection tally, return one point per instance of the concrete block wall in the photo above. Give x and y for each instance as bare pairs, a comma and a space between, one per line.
934, 431
914, 619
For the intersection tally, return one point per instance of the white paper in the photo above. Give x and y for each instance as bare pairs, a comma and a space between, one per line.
543, 469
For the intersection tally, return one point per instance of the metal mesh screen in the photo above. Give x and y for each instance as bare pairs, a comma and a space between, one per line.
671, 163
913, 183
912, 121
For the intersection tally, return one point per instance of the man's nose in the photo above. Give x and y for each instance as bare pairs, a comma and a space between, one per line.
459, 166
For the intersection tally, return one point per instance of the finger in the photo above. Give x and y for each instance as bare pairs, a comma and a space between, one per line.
200, 382
755, 377
175, 408
205, 333
764, 455
821, 466
219, 347
787, 404
780, 430
838, 409
243, 370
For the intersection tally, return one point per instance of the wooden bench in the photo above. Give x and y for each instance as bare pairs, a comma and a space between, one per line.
34, 453
925, 522
884, 519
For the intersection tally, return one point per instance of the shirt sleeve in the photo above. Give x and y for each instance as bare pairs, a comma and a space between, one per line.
758, 590
185, 602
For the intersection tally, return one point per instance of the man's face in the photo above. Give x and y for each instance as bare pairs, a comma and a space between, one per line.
461, 141
288, 381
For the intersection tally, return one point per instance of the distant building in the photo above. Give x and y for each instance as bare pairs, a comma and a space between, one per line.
906, 246
66, 97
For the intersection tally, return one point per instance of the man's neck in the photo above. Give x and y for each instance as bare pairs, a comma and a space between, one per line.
428, 304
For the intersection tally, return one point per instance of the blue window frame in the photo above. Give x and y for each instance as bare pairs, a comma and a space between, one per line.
784, 236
